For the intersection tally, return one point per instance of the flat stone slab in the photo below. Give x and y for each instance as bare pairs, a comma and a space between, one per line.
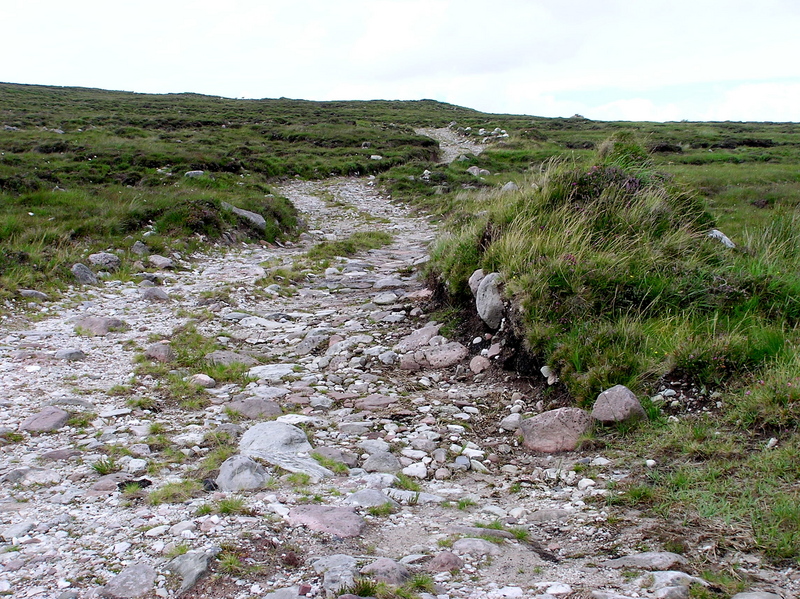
272, 372
49, 419
339, 521
375, 402
282, 445
226, 357
649, 560
99, 325
134, 581
255, 408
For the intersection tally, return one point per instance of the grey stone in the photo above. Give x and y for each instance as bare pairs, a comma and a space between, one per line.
70, 354
389, 283
387, 570
479, 364
155, 294
282, 445
253, 218
511, 422
160, 352
413, 497
49, 419
669, 579
475, 280
555, 430
489, 301
255, 407
193, 174
446, 561
83, 274
370, 498
272, 372
240, 472
191, 567
33, 294
375, 401
384, 299
105, 260
339, 521
18, 530
312, 341
617, 404
756, 595
134, 581
548, 515
139, 248
382, 461
224, 357
649, 560
161, 262
99, 325
338, 571
510, 186
446, 355
284, 593
202, 380
477, 547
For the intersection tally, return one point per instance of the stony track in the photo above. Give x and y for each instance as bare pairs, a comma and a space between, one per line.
326, 358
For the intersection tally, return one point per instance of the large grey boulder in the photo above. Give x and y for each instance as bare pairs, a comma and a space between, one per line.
489, 301
649, 560
282, 445
382, 461
617, 404
83, 274
338, 571
240, 472
134, 581
555, 430
387, 570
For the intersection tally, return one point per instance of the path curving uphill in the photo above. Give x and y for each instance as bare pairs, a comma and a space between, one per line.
396, 470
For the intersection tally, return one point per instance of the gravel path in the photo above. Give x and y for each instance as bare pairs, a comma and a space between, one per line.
329, 360
451, 143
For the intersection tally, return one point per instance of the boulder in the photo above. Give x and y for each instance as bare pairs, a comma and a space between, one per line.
136, 580
99, 325
283, 445
49, 419
160, 352
190, 567
649, 560
255, 407
387, 570
161, 262
446, 561
225, 357
555, 430
617, 404
382, 461
105, 260
339, 521
417, 339
251, 217
70, 354
83, 274
154, 294
240, 472
475, 280
489, 302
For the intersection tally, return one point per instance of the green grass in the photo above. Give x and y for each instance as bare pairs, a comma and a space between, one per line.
357, 242
174, 492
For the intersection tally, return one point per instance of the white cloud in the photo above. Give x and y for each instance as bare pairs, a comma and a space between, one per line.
759, 101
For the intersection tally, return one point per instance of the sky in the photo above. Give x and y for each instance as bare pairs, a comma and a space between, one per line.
656, 60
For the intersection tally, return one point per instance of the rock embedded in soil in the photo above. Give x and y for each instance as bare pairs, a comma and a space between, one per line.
489, 301
555, 430
649, 560
387, 570
617, 404
134, 581
99, 326
105, 260
83, 274
239, 472
160, 352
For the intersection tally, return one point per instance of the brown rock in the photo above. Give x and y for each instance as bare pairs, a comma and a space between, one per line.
99, 325
446, 561
339, 521
446, 355
375, 401
617, 404
387, 570
161, 352
417, 339
49, 419
478, 364
555, 430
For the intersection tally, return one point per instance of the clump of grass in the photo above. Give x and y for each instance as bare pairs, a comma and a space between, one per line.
407, 483
174, 492
331, 464
105, 466
381, 510
357, 242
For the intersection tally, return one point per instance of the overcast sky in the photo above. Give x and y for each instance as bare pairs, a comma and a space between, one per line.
603, 59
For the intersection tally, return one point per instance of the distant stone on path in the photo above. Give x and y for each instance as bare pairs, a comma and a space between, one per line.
83, 274
555, 430
478, 547
105, 260
255, 407
99, 325
190, 567
417, 339
340, 521
617, 404
649, 560
387, 570
253, 218
226, 357
33, 294
154, 294
161, 262
70, 354
49, 419
134, 581
446, 561
283, 445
